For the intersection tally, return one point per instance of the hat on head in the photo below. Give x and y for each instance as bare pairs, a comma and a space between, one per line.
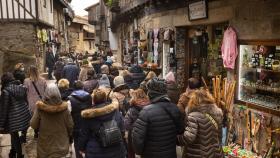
156, 88
104, 81
119, 80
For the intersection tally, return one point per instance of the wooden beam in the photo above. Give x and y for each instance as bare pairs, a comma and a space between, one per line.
30, 5
25, 10
18, 11
37, 10
13, 6
7, 9
1, 8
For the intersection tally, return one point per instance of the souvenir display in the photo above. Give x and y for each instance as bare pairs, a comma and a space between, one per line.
259, 76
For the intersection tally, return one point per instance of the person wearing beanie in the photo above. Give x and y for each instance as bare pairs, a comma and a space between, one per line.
79, 100
155, 131
172, 89
84, 69
104, 81
193, 84
137, 75
105, 70
121, 92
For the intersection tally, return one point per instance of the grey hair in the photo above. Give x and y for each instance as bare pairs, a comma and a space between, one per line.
52, 95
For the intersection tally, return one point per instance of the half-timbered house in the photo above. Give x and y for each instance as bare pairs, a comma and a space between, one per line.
27, 27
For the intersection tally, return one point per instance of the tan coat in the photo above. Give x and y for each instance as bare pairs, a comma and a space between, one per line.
55, 125
83, 73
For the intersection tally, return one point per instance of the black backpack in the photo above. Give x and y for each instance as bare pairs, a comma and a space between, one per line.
109, 133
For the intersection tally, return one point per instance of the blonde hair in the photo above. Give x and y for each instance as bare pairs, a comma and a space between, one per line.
33, 73
125, 73
150, 75
200, 97
99, 96
63, 84
137, 94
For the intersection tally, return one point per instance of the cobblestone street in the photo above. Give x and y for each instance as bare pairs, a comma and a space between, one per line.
29, 149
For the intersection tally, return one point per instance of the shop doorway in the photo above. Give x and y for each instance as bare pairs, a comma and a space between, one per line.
203, 51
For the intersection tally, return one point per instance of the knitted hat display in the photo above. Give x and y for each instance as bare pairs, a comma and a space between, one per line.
104, 81
119, 80
156, 88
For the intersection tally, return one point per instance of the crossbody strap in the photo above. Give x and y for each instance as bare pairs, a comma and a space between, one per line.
212, 120
34, 85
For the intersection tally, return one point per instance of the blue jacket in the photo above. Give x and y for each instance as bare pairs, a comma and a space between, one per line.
80, 100
89, 141
71, 73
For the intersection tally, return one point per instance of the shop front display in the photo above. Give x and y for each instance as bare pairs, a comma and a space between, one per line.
259, 75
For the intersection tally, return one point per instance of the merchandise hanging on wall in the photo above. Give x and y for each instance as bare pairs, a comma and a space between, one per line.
229, 48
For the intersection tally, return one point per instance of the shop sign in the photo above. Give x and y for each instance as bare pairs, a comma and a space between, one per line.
198, 10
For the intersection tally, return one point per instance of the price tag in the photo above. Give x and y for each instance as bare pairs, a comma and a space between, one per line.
259, 70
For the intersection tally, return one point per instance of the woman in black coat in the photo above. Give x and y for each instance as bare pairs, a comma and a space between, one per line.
14, 113
102, 112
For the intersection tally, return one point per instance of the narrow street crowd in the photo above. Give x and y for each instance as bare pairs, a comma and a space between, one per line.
107, 111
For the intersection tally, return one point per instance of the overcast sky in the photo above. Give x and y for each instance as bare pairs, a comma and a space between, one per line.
80, 5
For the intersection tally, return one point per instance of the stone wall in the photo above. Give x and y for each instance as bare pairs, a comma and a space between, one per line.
16, 45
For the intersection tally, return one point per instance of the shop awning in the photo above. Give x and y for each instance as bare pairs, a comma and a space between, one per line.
89, 28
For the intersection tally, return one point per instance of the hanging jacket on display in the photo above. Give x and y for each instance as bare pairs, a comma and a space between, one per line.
229, 48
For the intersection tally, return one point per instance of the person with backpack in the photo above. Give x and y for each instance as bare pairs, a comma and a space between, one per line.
155, 131
14, 113
203, 132
79, 100
138, 100
103, 130
53, 119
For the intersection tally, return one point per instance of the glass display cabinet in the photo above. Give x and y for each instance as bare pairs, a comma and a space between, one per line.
259, 74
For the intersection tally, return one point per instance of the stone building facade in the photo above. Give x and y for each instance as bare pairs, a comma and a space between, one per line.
22, 27
253, 20
82, 35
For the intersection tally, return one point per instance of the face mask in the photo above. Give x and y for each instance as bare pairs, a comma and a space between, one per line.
22, 69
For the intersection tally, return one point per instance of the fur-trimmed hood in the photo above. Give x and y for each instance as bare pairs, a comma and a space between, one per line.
100, 111
52, 108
